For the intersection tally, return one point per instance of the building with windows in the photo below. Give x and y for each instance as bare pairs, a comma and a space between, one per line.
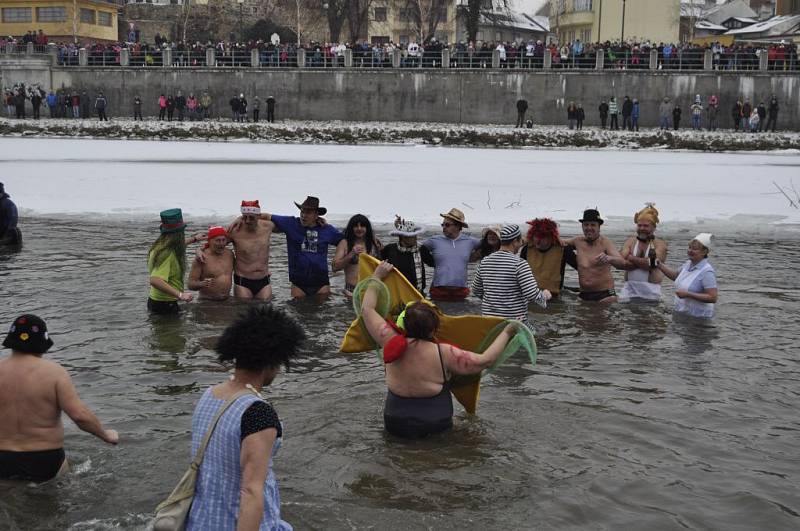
61, 21
787, 7
402, 21
615, 20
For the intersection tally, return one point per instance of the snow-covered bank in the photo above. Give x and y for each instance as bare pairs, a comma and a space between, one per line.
307, 132
135, 180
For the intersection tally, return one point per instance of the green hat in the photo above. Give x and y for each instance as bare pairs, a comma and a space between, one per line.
172, 221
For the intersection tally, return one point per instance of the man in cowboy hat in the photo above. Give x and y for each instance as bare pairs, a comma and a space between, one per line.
33, 394
642, 252
596, 255
405, 255
307, 241
212, 275
451, 252
546, 257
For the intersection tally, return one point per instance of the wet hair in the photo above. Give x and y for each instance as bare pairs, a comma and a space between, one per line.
166, 244
486, 248
262, 337
421, 321
350, 235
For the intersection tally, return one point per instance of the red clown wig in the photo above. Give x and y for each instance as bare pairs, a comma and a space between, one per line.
543, 227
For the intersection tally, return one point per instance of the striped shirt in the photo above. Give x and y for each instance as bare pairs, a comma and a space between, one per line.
505, 285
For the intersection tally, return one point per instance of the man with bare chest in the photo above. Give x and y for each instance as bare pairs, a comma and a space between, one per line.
251, 239
596, 254
642, 252
213, 275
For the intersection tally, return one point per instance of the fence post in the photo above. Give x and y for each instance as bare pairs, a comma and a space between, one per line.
83, 57
547, 60
166, 57
396, 57
301, 58
348, 58
29, 49
599, 59
124, 57
255, 58
708, 60
495, 58
653, 59
763, 60
445, 57
210, 59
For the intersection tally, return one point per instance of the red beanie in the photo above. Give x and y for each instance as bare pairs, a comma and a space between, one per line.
251, 207
214, 232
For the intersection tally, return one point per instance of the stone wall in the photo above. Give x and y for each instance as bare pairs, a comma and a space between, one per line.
449, 96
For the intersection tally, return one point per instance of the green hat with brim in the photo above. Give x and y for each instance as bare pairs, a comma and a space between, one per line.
172, 221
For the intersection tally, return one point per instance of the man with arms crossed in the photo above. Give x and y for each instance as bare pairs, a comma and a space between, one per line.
33, 393
596, 255
643, 278
212, 276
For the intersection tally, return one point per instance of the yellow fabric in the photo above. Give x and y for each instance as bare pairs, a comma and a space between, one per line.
648, 213
465, 331
546, 267
170, 272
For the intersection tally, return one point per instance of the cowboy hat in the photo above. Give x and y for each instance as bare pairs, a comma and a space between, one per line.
312, 202
457, 216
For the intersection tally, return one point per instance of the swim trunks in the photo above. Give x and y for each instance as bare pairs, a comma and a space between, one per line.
449, 293
594, 296
310, 290
254, 285
37, 466
163, 307
414, 418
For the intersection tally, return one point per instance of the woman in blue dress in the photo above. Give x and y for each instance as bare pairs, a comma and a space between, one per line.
236, 488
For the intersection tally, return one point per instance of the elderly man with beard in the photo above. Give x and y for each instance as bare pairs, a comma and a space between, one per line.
213, 276
545, 255
643, 252
596, 255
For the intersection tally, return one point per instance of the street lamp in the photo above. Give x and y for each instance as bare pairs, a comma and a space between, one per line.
297, 2
622, 37
241, 23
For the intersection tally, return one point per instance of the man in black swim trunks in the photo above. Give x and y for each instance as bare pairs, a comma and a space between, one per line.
251, 240
33, 394
596, 254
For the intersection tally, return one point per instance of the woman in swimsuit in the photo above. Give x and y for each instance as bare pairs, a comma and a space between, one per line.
358, 238
418, 369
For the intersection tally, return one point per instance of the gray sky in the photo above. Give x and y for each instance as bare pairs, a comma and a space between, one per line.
528, 6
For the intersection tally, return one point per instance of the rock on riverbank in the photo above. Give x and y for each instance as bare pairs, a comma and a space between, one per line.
497, 136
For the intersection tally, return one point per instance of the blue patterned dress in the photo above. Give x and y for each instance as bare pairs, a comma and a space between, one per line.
216, 499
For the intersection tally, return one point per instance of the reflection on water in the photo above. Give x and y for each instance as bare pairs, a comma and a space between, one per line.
632, 417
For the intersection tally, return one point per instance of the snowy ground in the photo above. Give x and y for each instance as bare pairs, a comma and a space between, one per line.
83, 177
291, 131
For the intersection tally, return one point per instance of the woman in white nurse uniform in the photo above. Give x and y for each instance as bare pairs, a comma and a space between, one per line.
695, 280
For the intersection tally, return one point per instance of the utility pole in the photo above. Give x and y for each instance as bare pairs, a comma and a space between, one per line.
599, 21
622, 37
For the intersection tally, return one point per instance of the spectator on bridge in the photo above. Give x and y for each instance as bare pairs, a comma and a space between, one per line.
572, 115
205, 106
747, 111
192, 107
711, 113
234, 103
271, 109
581, 116
627, 111
256, 108
603, 109
180, 105
170, 107
522, 108
242, 108
19, 103
635, 115
676, 116
736, 114
85, 105
762, 116
137, 108
613, 111
162, 107
754, 121
75, 99
52, 101
697, 113
36, 103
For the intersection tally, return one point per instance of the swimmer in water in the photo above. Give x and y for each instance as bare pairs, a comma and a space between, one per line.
213, 276
33, 394
596, 255
358, 238
642, 252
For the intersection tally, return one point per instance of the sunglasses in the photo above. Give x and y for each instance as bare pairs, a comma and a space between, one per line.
445, 224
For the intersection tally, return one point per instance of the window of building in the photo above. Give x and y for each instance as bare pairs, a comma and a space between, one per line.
104, 18
586, 34
561, 6
582, 5
403, 39
380, 14
487, 5
479, 36
51, 14
404, 14
497, 36
87, 16
17, 14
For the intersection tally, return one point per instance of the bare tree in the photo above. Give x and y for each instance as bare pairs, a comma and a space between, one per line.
471, 11
336, 13
357, 18
425, 16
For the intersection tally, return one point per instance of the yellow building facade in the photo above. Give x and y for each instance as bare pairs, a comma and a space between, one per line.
62, 21
395, 21
613, 20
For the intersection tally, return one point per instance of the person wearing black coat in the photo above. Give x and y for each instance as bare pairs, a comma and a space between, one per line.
271, 109
170, 107
676, 117
522, 108
180, 104
581, 114
36, 102
762, 116
627, 111
603, 109
19, 103
772, 113
234, 103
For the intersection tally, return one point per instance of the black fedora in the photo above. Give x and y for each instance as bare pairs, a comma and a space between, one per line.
312, 202
591, 214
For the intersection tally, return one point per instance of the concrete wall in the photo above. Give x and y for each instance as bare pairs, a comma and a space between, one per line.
421, 95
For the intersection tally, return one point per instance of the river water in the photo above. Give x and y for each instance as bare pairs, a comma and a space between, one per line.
630, 419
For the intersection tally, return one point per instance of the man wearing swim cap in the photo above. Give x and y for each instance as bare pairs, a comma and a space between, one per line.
213, 276
596, 255
33, 394
643, 252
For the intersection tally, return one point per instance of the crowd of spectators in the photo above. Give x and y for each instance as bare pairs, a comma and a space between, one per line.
525, 55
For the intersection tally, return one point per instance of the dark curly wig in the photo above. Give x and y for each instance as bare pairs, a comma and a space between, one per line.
261, 337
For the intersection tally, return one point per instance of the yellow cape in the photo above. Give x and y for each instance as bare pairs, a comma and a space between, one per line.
465, 331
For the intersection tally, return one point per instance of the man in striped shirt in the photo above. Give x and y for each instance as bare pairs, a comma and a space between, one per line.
504, 281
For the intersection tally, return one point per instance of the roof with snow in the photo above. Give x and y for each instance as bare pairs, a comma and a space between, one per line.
512, 19
734, 8
780, 25
706, 25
